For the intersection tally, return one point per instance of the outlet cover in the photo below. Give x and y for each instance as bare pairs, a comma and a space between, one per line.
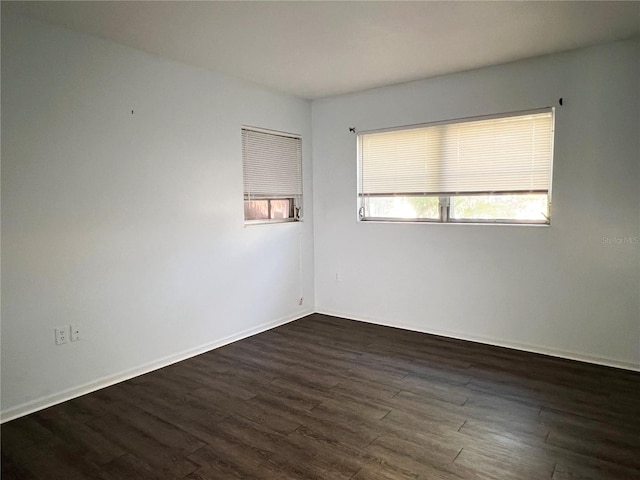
75, 333
62, 335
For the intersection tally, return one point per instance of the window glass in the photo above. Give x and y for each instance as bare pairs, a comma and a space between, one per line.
488, 207
486, 169
272, 173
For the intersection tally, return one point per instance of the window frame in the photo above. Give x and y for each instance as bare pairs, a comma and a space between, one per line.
293, 215
445, 200
295, 199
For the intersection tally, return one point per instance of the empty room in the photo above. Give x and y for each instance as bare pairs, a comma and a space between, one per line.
320, 240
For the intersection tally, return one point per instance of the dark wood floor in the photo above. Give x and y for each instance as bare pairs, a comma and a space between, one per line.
328, 398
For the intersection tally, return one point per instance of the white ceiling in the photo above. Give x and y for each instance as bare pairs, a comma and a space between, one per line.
317, 49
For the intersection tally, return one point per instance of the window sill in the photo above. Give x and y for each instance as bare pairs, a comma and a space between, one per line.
248, 223
457, 223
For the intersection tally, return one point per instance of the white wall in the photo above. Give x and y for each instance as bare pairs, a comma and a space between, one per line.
131, 225
558, 289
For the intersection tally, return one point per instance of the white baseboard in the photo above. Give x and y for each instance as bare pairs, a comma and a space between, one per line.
581, 357
63, 396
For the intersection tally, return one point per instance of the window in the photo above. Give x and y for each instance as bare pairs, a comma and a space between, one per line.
483, 170
272, 171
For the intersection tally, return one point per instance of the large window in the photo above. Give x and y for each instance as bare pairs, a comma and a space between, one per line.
272, 171
489, 169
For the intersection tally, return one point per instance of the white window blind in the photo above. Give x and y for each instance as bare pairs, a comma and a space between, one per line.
472, 156
272, 164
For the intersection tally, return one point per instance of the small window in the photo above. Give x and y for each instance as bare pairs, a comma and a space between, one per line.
272, 171
480, 170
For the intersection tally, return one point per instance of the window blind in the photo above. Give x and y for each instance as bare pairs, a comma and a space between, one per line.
272, 164
490, 155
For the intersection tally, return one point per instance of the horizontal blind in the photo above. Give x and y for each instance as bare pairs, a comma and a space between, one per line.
505, 154
272, 164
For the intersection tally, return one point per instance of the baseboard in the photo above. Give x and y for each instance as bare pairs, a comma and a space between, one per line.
59, 397
580, 357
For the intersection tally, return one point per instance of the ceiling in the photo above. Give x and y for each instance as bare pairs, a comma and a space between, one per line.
315, 49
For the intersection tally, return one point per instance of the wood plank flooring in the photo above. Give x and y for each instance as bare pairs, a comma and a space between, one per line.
328, 398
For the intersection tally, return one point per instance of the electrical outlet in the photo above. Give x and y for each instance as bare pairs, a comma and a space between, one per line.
62, 335
75, 333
